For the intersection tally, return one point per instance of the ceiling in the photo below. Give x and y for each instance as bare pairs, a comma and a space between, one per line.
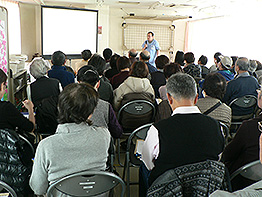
195, 8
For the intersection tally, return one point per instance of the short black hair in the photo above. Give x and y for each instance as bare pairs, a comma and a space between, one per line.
150, 32
76, 103
86, 54
88, 74
203, 59
139, 69
189, 57
179, 58
113, 60
171, 69
122, 63
98, 62
107, 53
161, 61
3, 76
215, 85
58, 58
216, 56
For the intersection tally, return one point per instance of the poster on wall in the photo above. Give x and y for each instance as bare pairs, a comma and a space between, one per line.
4, 65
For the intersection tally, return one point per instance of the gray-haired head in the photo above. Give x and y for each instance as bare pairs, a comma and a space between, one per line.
38, 68
182, 86
243, 63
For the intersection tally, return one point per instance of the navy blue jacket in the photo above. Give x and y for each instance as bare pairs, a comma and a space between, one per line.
60, 73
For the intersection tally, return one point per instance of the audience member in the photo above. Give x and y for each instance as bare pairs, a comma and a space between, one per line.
242, 85
105, 89
107, 53
86, 55
224, 67
112, 71
137, 82
158, 78
168, 70
234, 59
144, 57
258, 71
214, 67
123, 65
76, 146
252, 67
58, 71
244, 148
202, 63
103, 115
180, 58
11, 118
190, 68
43, 87
132, 56
186, 137
214, 88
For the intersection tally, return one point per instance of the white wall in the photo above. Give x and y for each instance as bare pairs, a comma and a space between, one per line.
109, 18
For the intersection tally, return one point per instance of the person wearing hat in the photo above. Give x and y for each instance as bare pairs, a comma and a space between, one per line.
224, 67
242, 85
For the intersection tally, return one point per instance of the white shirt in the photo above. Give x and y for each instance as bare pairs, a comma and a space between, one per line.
150, 149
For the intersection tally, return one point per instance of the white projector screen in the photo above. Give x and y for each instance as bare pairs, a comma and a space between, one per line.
70, 30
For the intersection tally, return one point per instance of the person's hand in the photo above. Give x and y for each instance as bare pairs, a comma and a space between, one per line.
28, 105
145, 46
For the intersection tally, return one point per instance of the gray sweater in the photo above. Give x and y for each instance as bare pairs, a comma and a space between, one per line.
73, 148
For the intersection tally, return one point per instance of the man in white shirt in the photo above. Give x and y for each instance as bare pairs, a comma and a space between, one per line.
186, 137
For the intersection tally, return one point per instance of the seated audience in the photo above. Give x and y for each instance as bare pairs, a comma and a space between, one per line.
105, 89
158, 78
103, 115
58, 71
214, 88
186, 137
180, 58
190, 68
86, 55
145, 57
242, 85
258, 71
107, 54
244, 148
234, 59
123, 65
252, 67
137, 82
132, 56
224, 67
76, 146
43, 87
112, 71
214, 67
169, 70
11, 118
69, 68
202, 63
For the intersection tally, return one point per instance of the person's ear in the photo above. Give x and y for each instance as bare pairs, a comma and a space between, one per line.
2, 86
195, 100
169, 98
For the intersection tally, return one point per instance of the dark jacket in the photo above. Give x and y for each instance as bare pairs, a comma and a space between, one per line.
14, 169
198, 179
157, 80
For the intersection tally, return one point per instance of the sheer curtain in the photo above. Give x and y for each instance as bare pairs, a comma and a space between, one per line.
231, 35
14, 28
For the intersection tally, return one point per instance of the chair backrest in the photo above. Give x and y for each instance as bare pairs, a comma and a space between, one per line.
28, 143
245, 101
252, 171
6, 189
225, 131
136, 113
86, 183
139, 133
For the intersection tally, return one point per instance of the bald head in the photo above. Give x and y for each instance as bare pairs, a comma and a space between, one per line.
132, 53
144, 55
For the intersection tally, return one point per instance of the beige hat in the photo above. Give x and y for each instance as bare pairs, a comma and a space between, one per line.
226, 61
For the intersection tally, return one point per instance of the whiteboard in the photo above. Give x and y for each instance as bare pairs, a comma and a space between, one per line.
70, 30
4, 55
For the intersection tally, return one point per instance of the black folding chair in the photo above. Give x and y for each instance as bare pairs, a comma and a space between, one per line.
6, 190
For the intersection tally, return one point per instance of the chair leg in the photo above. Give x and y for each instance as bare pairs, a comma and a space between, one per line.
118, 152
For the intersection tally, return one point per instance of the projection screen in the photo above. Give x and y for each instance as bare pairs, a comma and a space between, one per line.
70, 30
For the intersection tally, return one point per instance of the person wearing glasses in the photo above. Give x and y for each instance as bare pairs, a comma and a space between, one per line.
10, 117
244, 148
